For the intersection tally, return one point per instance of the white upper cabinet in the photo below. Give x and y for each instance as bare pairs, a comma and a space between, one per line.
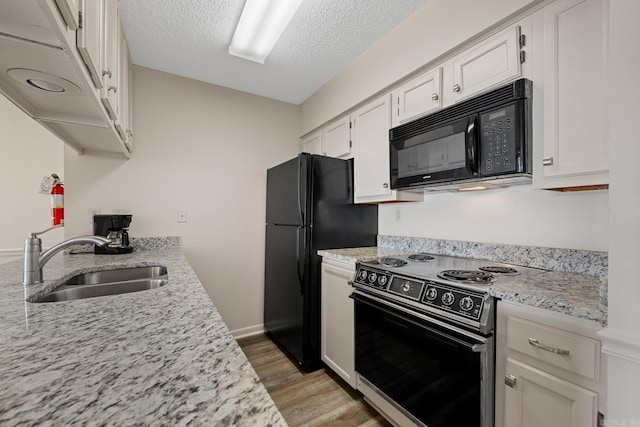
370, 135
336, 138
40, 40
571, 70
90, 38
69, 11
418, 97
312, 144
110, 58
487, 64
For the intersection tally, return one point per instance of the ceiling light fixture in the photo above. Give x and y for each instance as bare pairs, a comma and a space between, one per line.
260, 26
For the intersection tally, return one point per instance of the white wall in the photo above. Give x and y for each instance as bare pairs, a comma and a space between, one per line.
202, 148
514, 215
29, 152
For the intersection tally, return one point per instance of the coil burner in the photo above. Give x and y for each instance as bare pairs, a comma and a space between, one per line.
500, 270
470, 276
391, 262
421, 257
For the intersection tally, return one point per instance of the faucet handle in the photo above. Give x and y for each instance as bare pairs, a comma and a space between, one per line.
36, 234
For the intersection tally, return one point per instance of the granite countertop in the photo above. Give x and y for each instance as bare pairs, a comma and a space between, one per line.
574, 294
157, 357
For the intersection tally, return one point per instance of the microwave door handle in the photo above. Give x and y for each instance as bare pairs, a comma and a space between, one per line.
471, 144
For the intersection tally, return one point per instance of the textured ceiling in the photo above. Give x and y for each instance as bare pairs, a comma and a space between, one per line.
190, 38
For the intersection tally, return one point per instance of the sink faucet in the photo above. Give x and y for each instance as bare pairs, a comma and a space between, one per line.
35, 259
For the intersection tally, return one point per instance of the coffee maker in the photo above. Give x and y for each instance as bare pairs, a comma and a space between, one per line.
113, 227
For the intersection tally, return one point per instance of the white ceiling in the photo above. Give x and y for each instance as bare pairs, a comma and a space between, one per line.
190, 38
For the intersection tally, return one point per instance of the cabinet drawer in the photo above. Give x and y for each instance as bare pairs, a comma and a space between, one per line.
566, 350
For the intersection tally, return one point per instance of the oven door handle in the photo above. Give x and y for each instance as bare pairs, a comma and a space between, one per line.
377, 304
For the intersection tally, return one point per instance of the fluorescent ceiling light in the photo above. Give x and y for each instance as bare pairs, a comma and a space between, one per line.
260, 26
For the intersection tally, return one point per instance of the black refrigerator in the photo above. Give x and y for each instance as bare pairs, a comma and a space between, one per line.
309, 207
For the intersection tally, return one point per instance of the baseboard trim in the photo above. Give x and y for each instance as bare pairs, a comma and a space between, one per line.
248, 331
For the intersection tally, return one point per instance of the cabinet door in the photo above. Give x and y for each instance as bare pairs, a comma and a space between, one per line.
417, 98
110, 57
337, 327
487, 64
537, 398
122, 120
89, 38
371, 137
336, 138
312, 144
575, 148
69, 11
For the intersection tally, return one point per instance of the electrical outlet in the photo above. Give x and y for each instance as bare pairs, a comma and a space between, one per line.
93, 212
182, 215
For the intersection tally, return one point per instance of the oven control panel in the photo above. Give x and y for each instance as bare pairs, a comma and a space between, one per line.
443, 298
459, 301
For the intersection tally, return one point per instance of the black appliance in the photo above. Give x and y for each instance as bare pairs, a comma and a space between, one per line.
113, 227
309, 207
485, 138
425, 343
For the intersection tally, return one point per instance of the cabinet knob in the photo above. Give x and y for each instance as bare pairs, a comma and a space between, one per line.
435, 97
106, 73
547, 161
113, 88
456, 88
385, 185
510, 380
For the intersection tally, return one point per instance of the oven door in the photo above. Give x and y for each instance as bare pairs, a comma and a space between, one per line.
447, 152
436, 374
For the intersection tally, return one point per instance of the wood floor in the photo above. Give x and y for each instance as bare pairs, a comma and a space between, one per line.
318, 398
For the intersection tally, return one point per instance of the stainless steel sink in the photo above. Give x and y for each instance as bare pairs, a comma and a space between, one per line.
109, 282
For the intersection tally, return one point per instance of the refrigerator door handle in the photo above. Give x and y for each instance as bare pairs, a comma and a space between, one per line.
299, 197
300, 257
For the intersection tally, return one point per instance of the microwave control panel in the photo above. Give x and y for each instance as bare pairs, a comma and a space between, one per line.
499, 141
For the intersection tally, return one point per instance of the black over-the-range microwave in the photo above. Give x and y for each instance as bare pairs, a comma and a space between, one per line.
485, 138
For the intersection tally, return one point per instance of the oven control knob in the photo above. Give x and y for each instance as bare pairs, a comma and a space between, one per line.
466, 303
373, 277
363, 275
448, 298
432, 293
382, 280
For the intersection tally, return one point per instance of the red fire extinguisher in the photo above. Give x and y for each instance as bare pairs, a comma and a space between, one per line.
57, 202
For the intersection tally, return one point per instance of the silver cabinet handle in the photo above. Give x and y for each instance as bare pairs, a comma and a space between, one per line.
555, 350
113, 88
510, 380
385, 185
547, 161
435, 97
456, 88
106, 73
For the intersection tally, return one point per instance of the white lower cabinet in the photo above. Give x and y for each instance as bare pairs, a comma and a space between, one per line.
538, 398
547, 369
337, 327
